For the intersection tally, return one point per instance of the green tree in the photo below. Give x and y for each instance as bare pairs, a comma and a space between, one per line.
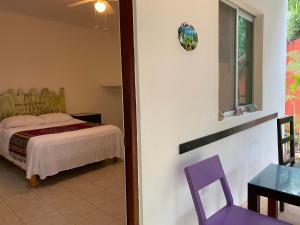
293, 26
294, 6
294, 20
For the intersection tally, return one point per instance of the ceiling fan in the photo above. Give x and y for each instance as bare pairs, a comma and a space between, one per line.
101, 6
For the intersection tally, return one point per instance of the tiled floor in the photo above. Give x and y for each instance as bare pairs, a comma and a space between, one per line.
290, 215
91, 195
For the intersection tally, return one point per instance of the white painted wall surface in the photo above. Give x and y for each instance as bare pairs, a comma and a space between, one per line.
38, 53
178, 102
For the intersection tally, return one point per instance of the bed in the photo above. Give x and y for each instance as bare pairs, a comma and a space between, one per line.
51, 153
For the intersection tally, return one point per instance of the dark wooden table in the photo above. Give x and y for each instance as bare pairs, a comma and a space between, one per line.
277, 183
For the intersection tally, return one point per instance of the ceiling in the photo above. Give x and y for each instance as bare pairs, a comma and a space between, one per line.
57, 10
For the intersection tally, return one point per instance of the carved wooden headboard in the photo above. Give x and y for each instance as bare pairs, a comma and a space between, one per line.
33, 102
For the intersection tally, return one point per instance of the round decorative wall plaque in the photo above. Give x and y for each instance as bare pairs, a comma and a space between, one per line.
187, 36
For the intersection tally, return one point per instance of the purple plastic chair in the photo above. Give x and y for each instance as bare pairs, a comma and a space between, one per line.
207, 172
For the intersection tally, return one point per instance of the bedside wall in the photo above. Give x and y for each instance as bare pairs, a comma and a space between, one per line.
37, 53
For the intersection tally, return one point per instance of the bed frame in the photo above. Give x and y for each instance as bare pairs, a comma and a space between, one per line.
33, 102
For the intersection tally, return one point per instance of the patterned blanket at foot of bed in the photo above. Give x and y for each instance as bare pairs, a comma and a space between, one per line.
19, 141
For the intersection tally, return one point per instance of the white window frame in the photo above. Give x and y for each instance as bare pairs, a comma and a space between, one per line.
251, 18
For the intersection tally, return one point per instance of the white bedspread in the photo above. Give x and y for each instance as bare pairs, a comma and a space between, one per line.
49, 154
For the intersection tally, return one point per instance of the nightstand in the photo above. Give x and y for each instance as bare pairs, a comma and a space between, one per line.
88, 117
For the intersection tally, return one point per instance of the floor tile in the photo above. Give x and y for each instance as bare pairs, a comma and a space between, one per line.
117, 191
77, 209
118, 222
5, 211
95, 218
53, 218
11, 221
62, 200
21, 199
47, 191
103, 198
83, 196
32, 210
116, 209
103, 183
83, 189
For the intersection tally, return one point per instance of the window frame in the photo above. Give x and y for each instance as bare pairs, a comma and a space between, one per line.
240, 12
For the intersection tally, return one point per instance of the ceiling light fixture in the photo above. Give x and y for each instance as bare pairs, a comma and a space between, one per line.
100, 6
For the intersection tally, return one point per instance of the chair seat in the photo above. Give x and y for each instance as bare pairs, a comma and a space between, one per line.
234, 215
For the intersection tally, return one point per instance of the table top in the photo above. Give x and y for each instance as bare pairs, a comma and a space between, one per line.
279, 178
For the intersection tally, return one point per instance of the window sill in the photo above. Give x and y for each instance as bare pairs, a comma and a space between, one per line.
244, 116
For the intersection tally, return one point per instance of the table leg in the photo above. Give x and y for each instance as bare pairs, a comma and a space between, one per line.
272, 208
253, 199
281, 206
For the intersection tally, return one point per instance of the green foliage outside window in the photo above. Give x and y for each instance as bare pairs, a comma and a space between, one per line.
294, 65
293, 26
294, 34
294, 20
294, 6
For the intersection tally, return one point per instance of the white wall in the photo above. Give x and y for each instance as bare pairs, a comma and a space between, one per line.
178, 102
37, 53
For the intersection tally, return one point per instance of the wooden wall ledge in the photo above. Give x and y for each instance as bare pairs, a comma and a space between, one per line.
197, 143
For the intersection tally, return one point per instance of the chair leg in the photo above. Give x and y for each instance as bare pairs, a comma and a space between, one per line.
281, 206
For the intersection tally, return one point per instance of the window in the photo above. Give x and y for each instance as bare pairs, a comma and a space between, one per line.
236, 42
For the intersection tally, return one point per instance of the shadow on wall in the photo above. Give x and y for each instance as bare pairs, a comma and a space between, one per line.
113, 110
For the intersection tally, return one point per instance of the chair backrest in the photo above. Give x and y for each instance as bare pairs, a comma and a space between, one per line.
203, 174
284, 140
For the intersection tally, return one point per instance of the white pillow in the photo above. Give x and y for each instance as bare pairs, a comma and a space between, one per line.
20, 121
55, 117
